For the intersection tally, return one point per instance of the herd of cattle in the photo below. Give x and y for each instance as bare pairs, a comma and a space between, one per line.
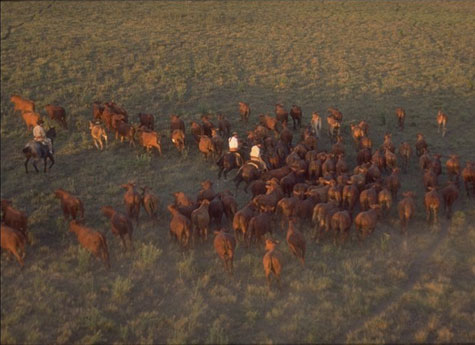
303, 184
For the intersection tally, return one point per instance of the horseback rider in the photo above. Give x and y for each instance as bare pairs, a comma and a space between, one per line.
39, 136
234, 146
256, 156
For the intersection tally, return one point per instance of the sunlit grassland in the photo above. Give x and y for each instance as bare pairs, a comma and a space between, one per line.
366, 58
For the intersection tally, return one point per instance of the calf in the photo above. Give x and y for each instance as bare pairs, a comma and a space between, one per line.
441, 122
31, 119
71, 205
120, 225
13, 241
296, 242
365, 222
57, 113
14, 218
91, 240
272, 261
22, 104
406, 209
180, 226
97, 133
244, 111
132, 201
225, 244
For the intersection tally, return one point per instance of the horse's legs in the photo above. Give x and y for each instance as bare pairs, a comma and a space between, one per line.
34, 165
26, 164
44, 159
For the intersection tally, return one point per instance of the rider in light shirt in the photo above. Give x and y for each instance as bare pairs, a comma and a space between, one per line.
39, 135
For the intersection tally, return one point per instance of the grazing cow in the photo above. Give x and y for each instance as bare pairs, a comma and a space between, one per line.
200, 220
401, 116
14, 218
22, 104
178, 139
149, 140
272, 261
405, 152
340, 224
125, 130
196, 130
453, 168
296, 114
365, 222
225, 244
132, 201
421, 144
180, 226
441, 122
91, 240
150, 203
258, 226
97, 133
13, 241
244, 111
146, 120
176, 123
206, 146
450, 194
31, 119
241, 220
71, 205
223, 125
120, 225
468, 175
296, 242
432, 201
281, 114
316, 123
57, 113
406, 209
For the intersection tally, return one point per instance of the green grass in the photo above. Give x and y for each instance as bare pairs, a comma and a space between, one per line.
366, 58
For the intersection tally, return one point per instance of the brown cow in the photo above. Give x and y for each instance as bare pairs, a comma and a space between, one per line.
241, 220
468, 174
393, 183
296, 242
216, 211
420, 144
453, 168
97, 110
441, 122
368, 197
244, 111
281, 114
406, 209
340, 224
218, 142
405, 152
207, 125
296, 115
146, 120
149, 140
286, 207
196, 130
224, 125
125, 130
258, 226
206, 146
132, 201
150, 203
225, 244
268, 201
207, 191
391, 159
71, 205
365, 222
272, 261
57, 113
336, 113
316, 123
200, 220
13, 241
357, 133
31, 119
449, 194
91, 240
97, 133
385, 200
401, 116
270, 123
180, 226
120, 225
350, 196
333, 127
321, 217
176, 123
14, 218
178, 139
22, 104
432, 201
229, 204
430, 179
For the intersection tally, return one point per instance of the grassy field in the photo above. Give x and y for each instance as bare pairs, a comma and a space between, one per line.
190, 58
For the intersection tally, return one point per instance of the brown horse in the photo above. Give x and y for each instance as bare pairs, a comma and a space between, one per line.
228, 162
247, 173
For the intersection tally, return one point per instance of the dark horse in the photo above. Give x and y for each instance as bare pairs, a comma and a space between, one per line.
39, 151
228, 162
247, 173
